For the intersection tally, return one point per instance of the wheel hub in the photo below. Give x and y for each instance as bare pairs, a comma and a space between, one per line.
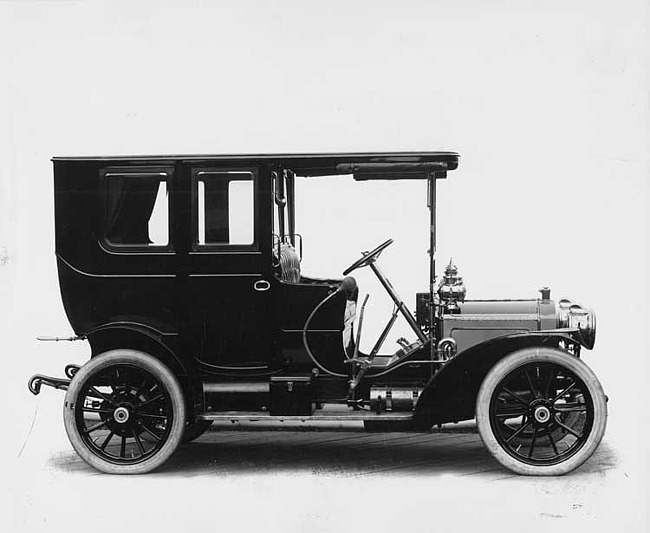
542, 414
121, 415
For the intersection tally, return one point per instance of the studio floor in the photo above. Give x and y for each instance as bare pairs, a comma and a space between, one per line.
293, 477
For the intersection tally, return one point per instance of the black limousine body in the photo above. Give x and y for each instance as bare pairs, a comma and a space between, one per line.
183, 275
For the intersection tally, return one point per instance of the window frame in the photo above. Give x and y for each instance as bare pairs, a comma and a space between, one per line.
166, 174
194, 225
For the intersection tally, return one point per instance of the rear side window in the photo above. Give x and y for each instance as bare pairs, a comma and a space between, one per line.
224, 208
137, 210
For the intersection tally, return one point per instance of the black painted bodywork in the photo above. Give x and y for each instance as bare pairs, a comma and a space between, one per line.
196, 308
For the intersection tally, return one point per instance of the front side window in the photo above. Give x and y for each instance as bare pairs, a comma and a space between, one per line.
225, 208
137, 213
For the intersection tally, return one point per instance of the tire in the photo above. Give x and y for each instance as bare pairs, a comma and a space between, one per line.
124, 394
193, 430
547, 391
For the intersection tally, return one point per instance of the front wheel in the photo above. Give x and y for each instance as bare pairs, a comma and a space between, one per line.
541, 412
124, 412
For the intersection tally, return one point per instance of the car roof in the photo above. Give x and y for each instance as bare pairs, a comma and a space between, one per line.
364, 165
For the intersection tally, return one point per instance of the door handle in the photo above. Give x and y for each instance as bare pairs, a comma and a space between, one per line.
261, 285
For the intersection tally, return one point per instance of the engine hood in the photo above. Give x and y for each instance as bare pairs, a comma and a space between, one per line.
476, 321
506, 307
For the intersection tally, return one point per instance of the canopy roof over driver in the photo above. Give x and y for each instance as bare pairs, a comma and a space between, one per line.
364, 166
397, 165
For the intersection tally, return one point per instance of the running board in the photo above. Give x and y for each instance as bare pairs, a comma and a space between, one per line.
255, 416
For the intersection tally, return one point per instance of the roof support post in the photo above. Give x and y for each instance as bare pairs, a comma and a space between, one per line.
280, 200
291, 203
431, 204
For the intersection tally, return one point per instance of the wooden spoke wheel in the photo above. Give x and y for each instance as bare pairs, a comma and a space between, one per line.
541, 412
124, 412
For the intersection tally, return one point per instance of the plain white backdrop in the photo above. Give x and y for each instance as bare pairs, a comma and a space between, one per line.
547, 102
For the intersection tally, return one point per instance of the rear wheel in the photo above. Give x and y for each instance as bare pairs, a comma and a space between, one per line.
541, 412
124, 412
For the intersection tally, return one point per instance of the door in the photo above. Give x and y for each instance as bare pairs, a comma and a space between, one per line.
229, 289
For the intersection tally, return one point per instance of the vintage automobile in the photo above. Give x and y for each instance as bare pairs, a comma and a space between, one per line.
183, 274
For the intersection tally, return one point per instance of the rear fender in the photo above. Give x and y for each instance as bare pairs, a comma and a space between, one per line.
450, 395
135, 336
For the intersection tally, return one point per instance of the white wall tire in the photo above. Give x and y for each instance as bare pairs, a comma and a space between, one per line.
526, 391
112, 401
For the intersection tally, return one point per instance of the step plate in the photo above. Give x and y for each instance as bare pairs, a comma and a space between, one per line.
330, 417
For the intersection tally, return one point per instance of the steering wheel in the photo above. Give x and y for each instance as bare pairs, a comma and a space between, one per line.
368, 257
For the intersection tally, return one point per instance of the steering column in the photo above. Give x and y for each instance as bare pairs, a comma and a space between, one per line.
370, 259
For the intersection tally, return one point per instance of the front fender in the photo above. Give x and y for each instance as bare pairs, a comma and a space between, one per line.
450, 395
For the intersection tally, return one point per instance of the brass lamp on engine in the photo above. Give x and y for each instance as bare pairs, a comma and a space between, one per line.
451, 289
